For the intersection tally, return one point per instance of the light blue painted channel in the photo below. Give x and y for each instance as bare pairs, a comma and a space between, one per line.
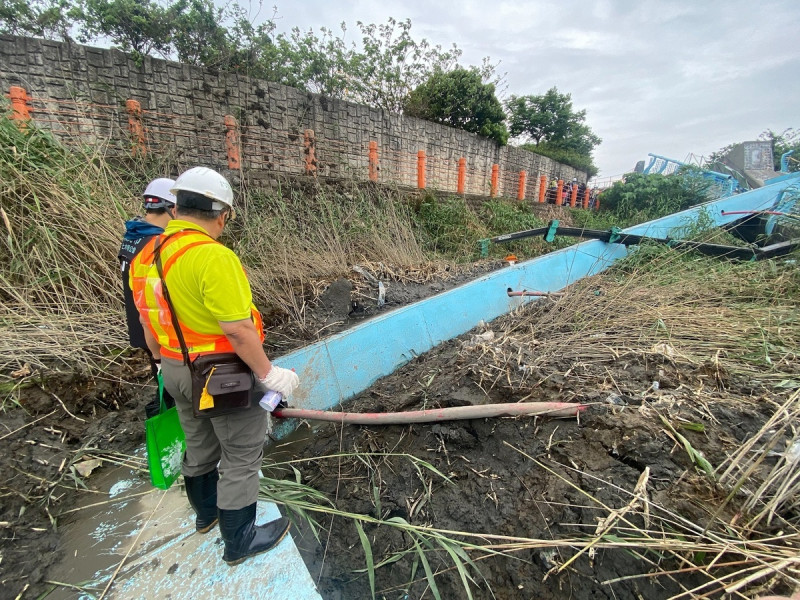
338, 368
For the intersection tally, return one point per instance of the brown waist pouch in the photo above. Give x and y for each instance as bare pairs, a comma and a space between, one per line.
221, 384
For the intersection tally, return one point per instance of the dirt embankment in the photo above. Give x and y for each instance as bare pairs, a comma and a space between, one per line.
541, 479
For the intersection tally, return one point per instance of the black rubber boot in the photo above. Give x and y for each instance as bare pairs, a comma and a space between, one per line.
243, 538
202, 493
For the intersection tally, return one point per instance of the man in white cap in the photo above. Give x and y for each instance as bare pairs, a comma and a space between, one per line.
159, 209
207, 310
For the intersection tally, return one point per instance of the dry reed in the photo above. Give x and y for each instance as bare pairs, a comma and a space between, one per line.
63, 214
663, 307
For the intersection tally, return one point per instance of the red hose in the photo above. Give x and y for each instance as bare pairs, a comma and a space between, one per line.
551, 409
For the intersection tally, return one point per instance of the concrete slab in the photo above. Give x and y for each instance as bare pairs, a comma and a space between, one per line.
152, 536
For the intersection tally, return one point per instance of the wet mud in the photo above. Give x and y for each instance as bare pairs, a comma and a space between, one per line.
530, 477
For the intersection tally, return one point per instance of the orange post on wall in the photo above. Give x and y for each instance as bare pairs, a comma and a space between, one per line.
597, 202
373, 161
574, 197
135, 127
585, 203
310, 151
521, 187
560, 193
232, 142
421, 169
542, 188
20, 110
495, 179
462, 174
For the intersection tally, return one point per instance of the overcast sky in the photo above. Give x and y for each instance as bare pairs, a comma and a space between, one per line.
672, 77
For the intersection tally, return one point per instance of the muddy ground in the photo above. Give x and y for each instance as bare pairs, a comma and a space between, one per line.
54, 422
524, 477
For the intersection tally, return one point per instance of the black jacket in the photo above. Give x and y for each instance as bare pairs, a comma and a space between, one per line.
137, 233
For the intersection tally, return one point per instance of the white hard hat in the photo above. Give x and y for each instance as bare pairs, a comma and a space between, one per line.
158, 194
206, 182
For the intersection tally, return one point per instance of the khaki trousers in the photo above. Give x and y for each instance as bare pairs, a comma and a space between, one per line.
235, 441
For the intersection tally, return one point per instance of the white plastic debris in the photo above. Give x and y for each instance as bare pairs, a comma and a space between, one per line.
792, 453
381, 294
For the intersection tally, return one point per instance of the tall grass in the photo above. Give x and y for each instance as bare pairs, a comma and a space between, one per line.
63, 213
295, 239
739, 319
59, 281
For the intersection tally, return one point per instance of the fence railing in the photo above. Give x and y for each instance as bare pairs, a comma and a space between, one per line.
142, 132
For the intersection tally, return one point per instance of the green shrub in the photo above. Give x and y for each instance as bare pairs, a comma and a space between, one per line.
448, 226
641, 197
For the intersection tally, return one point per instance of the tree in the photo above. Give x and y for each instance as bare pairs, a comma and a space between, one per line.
198, 36
321, 64
138, 26
38, 18
460, 99
392, 63
381, 71
557, 130
550, 118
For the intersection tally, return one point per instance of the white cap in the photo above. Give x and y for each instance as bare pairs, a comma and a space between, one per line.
206, 182
160, 188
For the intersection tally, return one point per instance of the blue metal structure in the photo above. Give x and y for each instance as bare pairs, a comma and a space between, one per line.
788, 201
723, 185
785, 161
661, 165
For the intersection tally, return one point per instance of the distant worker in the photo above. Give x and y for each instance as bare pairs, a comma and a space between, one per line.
208, 300
552, 191
159, 209
567, 191
593, 196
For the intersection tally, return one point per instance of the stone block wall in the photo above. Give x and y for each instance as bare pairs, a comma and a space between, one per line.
80, 93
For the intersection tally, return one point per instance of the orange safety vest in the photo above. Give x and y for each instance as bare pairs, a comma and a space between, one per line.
149, 298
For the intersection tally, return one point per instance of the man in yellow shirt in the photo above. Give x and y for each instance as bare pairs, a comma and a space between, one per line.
209, 292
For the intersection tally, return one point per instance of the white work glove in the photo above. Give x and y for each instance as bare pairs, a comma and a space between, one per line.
158, 364
281, 380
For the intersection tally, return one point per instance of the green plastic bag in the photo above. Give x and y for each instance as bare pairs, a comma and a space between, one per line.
166, 444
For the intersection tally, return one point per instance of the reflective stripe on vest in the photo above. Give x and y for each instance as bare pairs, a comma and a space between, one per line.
149, 298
